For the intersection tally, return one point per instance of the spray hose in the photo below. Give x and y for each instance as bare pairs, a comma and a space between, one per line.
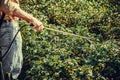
50, 29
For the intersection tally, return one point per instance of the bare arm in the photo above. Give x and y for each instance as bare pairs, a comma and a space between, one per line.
26, 16
12, 9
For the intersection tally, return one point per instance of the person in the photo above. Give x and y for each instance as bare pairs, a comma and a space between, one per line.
12, 62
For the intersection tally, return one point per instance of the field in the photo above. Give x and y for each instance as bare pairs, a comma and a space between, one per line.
55, 55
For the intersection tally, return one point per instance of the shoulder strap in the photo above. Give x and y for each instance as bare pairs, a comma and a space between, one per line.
2, 18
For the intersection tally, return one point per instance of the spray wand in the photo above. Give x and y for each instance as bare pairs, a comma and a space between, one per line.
50, 29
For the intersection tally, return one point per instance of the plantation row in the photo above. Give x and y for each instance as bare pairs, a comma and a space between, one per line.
51, 55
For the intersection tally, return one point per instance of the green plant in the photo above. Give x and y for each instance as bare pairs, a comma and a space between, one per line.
55, 56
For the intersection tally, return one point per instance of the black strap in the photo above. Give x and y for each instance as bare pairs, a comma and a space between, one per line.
1, 69
2, 18
1, 21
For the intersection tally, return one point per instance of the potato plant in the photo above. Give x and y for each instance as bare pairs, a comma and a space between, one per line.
50, 55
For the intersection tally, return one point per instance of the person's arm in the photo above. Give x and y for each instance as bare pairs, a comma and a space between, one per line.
13, 9
26, 16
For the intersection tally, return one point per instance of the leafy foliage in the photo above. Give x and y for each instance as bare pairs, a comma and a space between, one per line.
55, 56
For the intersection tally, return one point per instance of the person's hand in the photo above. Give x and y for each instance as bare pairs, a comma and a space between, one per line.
38, 25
